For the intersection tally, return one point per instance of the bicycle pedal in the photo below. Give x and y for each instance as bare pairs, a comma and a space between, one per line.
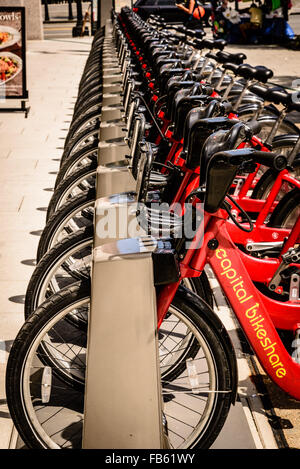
263, 245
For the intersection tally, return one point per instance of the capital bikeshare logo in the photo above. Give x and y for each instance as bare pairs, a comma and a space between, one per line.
116, 221
251, 312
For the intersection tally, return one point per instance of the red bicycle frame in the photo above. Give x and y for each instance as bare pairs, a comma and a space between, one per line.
249, 305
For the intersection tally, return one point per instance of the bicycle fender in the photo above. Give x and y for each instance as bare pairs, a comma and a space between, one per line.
285, 138
206, 312
249, 107
263, 118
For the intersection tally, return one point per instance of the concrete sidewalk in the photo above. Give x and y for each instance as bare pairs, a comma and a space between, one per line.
29, 158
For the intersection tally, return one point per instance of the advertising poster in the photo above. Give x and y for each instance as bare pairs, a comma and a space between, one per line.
12, 53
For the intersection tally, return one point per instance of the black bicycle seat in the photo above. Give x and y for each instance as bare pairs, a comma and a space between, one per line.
190, 32
260, 91
263, 73
247, 71
230, 66
208, 43
213, 56
199, 33
199, 44
224, 57
219, 44
278, 95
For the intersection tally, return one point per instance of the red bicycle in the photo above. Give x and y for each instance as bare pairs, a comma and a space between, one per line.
198, 364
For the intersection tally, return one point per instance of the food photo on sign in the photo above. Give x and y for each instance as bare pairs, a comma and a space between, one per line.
11, 54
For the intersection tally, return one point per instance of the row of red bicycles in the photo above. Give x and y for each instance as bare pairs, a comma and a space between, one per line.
216, 163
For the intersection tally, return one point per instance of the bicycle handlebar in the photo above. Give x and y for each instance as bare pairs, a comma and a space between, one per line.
222, 169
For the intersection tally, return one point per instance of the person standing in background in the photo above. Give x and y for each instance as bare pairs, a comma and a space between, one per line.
195, 11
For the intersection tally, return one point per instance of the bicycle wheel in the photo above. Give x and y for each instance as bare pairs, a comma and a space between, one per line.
66, 263
95, 108
81, 141
264, 185
200, 286
54, 419
76, 213
78, 159
287, 211
84, 123
84, 178
267, 123
86, 110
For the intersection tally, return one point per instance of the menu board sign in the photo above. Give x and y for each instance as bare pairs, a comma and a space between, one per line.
12, 53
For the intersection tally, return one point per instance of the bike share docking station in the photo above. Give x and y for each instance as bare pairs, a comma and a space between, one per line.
123, 403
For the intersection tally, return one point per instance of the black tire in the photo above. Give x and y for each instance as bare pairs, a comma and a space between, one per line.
80, 180
23, 376
83, 156
265, 183
81, 140
73, 244
86, 109
95, 106
82, 123
263, 187
87, 106
287, 210
87, 95
72, 208
95, 81
286, 127
201, 286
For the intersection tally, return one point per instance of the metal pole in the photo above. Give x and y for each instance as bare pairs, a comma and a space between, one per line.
98, 14
106, 6
285, 10
79, 13
71, 17
78, 28
93, 29
46, 10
